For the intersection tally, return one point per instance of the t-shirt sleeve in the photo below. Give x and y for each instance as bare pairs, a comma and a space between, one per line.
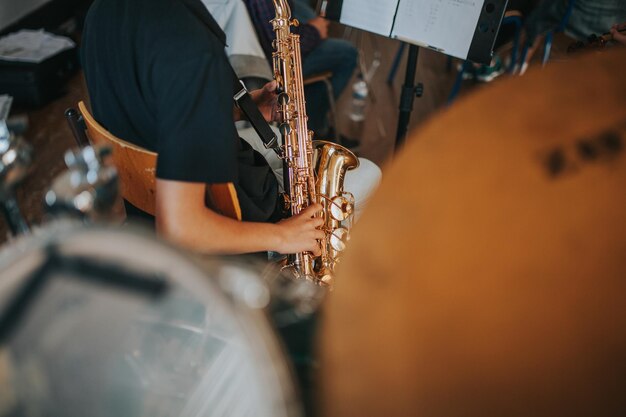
196, 133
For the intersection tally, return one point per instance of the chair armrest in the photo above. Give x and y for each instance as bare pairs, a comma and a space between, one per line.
316, 78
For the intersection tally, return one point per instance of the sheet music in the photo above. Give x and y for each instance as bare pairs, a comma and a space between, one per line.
445, 25
372, 15
32, 45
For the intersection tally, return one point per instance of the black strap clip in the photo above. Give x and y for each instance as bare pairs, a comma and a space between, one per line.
251, 112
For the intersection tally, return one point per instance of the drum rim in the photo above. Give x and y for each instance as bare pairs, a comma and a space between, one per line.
253, 323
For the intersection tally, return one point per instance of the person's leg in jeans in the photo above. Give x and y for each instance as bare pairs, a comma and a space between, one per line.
335, 55
303, 11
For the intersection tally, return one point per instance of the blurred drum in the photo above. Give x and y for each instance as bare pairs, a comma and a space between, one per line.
15, 160
487, 275
101, 322
89, 189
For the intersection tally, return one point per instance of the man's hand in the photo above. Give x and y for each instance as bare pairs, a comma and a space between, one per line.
617, 36
301, 233
183, 218
321, 25
266, 100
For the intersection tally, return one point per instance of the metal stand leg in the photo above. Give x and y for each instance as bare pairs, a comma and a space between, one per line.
409, 92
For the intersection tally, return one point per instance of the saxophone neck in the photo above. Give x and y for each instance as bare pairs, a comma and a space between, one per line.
283, 11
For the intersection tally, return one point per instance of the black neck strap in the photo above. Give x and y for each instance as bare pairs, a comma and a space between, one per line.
253, 115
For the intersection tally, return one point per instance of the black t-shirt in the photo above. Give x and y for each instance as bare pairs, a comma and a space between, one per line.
158, 77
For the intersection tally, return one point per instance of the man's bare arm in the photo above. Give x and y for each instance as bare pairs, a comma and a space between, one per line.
182, 217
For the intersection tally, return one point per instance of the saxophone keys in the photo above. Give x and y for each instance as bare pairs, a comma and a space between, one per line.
283, 97
341, 208
326, 279
285, 129
324, 275
339, 239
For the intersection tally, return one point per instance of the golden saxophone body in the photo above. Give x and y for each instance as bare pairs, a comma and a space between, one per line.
314, 171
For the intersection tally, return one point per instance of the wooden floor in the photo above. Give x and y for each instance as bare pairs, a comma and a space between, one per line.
379, 130
51, 137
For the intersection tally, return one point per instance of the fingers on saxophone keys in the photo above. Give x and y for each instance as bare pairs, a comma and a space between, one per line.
316, 250
271, 86
317, 221
312, 210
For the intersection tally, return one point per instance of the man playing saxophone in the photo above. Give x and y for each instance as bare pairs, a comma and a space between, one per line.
158, 77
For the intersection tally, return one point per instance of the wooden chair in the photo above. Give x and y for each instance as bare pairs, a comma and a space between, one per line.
137, 167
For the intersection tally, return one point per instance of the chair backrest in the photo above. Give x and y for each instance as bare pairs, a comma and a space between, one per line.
137, 172
136, 166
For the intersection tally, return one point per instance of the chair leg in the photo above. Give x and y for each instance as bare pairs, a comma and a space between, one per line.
523, 63
527, 55
457, 83
566, 16
333, 105
547, 48
515, 20
514, 52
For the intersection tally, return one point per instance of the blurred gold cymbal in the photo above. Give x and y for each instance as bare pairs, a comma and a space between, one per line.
487, 276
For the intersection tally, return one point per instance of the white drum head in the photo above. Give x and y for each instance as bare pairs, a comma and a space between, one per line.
81, 347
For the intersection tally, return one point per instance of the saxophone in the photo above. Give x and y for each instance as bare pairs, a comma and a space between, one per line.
314, 171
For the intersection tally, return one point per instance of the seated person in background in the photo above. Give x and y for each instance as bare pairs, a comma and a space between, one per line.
319, 54
618, 33
158, 77
587, 17
487, 73
243, 50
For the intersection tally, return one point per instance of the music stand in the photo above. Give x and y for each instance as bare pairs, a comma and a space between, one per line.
485, 25
407, 96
